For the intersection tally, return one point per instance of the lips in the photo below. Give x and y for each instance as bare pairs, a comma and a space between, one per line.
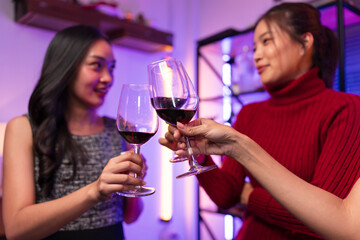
101, 92
261, 68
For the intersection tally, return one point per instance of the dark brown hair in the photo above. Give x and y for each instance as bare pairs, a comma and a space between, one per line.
48, 102
299, 18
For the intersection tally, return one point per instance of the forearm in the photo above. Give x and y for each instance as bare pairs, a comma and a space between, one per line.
322, 211
40, 220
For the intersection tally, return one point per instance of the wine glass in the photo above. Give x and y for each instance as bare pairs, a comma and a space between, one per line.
175, 100
137, 122
169, 93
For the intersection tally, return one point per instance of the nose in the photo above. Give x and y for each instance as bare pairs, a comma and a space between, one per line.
106, 76
257, 56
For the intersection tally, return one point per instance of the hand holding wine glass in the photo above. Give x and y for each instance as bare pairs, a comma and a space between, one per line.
137, 122
175, 100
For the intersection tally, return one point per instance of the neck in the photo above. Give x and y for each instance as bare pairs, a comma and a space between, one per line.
84, 122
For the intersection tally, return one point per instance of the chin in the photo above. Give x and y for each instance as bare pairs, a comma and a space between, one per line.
266, 82
269, 81
96, 105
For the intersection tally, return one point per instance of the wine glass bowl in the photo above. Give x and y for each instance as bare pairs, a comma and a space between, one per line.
136, 122
169, 94
175, 100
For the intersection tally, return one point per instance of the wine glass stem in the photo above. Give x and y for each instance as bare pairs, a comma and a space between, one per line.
137, 151
193, 163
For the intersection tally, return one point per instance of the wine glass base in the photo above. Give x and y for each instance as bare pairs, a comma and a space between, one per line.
196, 170
178, 159
137, 192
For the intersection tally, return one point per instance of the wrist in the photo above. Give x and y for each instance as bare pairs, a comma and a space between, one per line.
93, 194
240, 147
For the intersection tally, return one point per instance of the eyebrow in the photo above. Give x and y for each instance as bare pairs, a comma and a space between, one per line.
101, 58
268, 32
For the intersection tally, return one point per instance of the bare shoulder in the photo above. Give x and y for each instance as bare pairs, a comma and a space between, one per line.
19, 123
18, 150
19, 128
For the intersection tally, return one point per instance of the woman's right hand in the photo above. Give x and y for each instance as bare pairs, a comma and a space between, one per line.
118, 175
206, 137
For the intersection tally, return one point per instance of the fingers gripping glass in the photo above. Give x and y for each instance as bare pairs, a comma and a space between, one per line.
175, 100
137, 122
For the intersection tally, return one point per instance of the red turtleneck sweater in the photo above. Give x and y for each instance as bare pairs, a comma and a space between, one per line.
311, 130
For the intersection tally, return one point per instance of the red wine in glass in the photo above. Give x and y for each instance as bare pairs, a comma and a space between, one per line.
168, 102
175, 100
136, 122
136, 137
170, 114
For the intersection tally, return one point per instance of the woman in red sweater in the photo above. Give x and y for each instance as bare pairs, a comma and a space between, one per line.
306, 127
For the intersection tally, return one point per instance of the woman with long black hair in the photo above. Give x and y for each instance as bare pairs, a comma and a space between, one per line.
62, 160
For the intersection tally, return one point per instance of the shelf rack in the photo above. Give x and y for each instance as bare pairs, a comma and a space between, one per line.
56, 15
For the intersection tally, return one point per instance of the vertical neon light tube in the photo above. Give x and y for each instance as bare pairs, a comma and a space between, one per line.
166, 192
229, 227
227, 109
226, 78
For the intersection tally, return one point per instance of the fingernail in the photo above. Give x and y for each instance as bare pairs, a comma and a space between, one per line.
180, 125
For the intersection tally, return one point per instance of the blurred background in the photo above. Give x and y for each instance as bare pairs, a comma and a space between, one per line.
197, 32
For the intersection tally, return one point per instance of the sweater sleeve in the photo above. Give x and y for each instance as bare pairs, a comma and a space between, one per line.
337, 168
223, 185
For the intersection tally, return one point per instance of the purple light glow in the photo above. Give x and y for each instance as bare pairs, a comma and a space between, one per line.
329, 17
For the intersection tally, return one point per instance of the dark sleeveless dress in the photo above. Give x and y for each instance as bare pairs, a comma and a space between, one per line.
104, 220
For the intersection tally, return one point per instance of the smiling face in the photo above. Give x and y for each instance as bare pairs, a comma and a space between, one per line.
94, 78
277, 57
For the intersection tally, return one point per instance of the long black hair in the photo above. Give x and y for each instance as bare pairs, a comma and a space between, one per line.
49, 101
299, 18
